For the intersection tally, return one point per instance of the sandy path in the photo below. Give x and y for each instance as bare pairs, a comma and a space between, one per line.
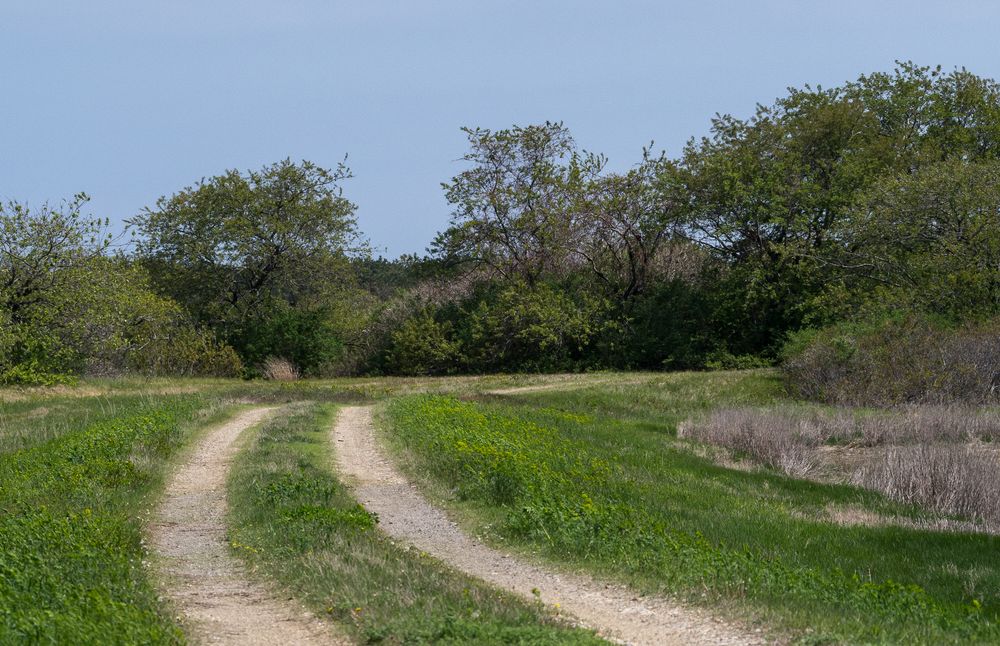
567, 384
204, 582
612, 610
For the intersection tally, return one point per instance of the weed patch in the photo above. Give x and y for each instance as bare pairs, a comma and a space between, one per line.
70, 538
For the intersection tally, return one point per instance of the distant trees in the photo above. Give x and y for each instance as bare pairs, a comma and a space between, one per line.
42, 251
826, 206
67, 306
931, 238
259, 256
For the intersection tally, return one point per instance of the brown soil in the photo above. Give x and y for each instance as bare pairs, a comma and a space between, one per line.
616, 612
203, 581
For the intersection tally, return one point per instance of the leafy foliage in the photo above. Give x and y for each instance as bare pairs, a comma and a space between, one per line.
894, 361
68, 308
256, 257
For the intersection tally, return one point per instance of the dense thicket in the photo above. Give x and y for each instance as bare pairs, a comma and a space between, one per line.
69, 306
850, 204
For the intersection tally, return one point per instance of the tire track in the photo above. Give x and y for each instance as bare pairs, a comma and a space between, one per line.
204, 582
613, 610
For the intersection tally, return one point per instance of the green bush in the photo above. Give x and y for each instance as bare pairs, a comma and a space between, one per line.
542, 329
305, 337
183, 350
725, 360
423, 346
31, 374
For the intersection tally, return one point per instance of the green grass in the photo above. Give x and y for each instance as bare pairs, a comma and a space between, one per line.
292, 521
74, 485
596, 478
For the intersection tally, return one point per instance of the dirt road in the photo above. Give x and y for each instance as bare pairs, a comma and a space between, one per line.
204, 582
614, 611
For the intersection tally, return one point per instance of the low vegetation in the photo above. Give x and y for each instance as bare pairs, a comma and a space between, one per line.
956, 480
942, 458
896, 361
72, 502
293, 521
596, 478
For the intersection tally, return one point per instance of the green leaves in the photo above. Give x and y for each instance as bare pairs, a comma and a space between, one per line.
240, 251
231, 243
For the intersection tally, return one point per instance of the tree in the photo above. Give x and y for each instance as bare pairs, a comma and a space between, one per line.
68, 307
41, 249
932, 238
772, 196
628, 227
237, 247
514, 209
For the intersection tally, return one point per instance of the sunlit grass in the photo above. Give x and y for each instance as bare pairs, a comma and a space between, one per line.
292, 521
596, 478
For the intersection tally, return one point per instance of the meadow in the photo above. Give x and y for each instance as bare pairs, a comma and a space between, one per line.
583, 473
596, 478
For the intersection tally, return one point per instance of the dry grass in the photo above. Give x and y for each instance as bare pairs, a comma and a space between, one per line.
959, 480
931, 456
772, 438
732, 427
278, 369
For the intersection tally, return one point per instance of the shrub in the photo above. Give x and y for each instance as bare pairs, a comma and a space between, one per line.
725, 360
896, 361
950, 479
544, 328
744, 429
278, 369
305, 337
780, 440
422, 346
30, 374
185, 351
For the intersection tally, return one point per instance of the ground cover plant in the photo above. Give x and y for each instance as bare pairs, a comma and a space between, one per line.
292, 520
71, 505
596, 478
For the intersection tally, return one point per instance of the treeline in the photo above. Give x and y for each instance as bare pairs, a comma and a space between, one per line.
870, 204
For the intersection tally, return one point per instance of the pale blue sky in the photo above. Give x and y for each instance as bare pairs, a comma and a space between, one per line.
129, 100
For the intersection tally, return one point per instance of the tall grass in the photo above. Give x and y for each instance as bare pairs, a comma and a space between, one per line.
951, 479
930, 456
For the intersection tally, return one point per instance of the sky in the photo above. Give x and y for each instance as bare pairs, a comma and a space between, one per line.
128, 101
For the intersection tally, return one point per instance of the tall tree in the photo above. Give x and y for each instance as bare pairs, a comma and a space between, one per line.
514, 208
628, 226
40, 249
229, 246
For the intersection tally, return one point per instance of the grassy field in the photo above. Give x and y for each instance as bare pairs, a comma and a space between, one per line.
595, 478
294, 522
76, 477
585, 473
